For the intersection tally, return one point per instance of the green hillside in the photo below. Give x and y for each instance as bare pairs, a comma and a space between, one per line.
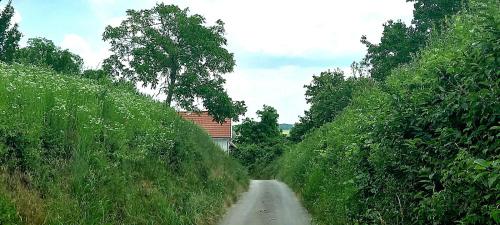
421, 147
73, 151
286, 126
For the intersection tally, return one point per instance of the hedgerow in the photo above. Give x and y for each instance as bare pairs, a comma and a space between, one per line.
73, 151
421, 147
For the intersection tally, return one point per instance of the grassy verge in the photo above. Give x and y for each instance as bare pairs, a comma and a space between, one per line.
73, 151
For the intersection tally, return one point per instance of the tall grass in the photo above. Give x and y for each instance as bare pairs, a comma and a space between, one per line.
86, 153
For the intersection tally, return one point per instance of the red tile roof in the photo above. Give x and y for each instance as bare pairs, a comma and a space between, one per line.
214, 129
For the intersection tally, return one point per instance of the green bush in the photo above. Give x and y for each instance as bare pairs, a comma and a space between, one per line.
101, 154
421, 148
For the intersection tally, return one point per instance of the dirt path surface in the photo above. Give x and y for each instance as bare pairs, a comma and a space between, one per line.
268, 202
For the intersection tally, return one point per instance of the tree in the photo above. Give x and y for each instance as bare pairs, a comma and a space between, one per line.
253, 132
177, 53
328, 94
260, 143
399, 41
43, 52
301, 128
397, 44
9, 34
430, 14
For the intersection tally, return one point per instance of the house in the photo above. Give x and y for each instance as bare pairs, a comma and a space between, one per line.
221, 134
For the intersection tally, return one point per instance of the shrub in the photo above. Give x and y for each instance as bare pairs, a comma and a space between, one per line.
421, 148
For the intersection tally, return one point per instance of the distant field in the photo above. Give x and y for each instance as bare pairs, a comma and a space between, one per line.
285, 127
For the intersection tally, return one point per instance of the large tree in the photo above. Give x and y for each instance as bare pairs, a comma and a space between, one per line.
397, 44
43, 52
399, 41
9, 34
177, 53
430, 14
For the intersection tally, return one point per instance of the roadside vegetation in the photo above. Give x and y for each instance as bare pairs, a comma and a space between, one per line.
85, 147
73, 151
260, 143
418, 141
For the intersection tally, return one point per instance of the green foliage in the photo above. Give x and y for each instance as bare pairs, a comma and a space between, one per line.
99, 75
328, 94
421, 148
9, 34
400, 42
323, 167
8, 213
429, 15
257, 132
396, 46
73, 151
168, 49
259, 143
43, 52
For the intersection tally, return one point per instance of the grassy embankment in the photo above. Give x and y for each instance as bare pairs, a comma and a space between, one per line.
73, 151
420, 148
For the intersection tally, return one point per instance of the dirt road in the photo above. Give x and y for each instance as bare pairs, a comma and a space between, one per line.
268, 202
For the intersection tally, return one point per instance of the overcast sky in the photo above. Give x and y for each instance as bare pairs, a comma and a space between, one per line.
278, 44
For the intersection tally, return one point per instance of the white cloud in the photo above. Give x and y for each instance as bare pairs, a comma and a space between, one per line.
296, 28
281, 88
92, 56
17, 17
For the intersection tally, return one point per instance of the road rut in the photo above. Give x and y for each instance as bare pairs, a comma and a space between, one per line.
268, 202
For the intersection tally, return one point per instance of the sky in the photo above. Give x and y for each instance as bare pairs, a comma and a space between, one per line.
278, 44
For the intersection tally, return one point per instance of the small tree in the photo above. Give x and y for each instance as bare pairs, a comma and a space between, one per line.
9, 34
43, 52
177, 53
258, 132
260, 143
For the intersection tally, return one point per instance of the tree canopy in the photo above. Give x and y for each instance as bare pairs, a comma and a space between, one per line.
44, 52
177, 53
328, 94
399, 41
9, 34
397, 44
259, 143
251, 131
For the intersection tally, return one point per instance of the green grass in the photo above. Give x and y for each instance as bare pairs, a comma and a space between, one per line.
73, 151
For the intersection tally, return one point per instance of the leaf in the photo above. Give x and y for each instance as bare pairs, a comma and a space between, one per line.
495, 215
492, 180
482, 163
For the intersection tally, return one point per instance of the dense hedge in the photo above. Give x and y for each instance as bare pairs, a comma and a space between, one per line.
76, 152
422, 147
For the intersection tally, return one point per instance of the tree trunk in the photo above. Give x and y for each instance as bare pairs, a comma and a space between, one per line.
171, 85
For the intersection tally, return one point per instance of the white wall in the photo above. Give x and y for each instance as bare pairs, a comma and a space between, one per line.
223, 143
